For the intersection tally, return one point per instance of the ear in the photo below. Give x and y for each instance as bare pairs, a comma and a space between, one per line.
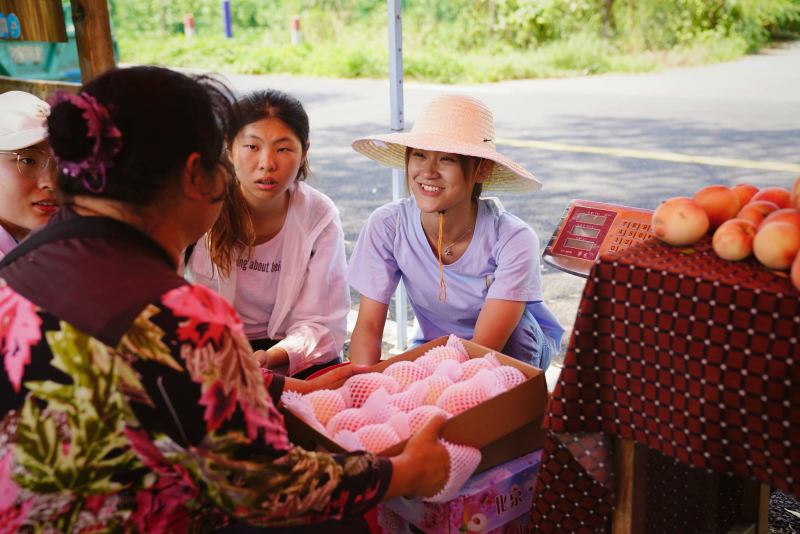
229, 153
195, 182
484, 169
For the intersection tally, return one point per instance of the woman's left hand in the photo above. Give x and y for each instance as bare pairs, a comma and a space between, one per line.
327, 380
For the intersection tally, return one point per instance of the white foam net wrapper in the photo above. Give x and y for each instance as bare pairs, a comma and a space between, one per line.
419, 417
411, 398
436, 385
463, 462
376, 438
349, 419
358, 388
348, 440
471, 367
378, 409
326, 403
300, 406
406, 372
462, 396
401, 424
509, 376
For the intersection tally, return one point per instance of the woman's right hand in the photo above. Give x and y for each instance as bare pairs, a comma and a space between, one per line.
423, 467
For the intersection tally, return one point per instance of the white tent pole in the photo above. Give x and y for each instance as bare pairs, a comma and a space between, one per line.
396, 99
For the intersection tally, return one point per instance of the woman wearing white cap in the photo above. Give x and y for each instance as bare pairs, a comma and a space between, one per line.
28, 199
470, 267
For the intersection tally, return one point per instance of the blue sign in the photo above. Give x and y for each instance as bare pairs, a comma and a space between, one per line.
14, 28
3, 26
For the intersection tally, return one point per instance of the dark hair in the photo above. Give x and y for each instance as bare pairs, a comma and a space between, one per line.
273, 104
163, 117
233, 231
469, 167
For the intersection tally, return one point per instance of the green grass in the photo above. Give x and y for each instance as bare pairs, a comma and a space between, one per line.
580, 54
454, 41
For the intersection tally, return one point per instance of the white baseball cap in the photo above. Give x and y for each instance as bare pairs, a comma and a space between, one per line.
23, 120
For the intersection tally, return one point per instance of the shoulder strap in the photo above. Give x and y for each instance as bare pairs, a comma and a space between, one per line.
83, 227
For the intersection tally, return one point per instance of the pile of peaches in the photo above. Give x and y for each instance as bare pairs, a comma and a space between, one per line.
744, 220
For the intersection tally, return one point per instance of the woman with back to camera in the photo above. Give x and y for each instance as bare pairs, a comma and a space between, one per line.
277, 251
130, 398
27, 196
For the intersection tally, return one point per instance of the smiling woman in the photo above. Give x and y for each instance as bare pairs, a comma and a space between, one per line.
470, 267
27, 197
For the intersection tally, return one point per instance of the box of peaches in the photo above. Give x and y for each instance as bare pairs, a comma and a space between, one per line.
492, 402
745, 221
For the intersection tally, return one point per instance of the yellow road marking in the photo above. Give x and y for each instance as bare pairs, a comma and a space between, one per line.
653, 155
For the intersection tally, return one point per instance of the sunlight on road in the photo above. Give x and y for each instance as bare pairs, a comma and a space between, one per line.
653, 155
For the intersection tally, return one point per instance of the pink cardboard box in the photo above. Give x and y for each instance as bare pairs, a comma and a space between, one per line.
490, 503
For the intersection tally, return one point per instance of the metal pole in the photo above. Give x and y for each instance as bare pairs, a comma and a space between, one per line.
396, 98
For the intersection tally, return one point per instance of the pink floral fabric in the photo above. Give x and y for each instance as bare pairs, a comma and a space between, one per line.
173, 429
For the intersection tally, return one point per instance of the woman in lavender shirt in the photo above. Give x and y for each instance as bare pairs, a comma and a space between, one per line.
470, 267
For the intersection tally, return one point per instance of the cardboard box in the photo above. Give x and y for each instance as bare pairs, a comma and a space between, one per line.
391, 523
489, 502
504, 427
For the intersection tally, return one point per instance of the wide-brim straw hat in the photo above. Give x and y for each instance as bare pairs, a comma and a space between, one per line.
457, 124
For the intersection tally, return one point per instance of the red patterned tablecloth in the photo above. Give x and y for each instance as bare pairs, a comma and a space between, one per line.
690, 355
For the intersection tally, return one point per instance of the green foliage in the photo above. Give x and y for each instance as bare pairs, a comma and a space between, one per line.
454, 40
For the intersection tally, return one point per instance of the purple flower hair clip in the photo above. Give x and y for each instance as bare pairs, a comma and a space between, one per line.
107, 141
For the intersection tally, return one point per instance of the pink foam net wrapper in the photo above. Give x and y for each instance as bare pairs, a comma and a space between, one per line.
419, 417
436, 355
349, 419
400, 424
357, 389
462, 396
509, 376
377, 408
376, 438
348, 440
326, 403
406, 373
435, 384
471, 367
451, 369
411, 398
463, 462
303, 409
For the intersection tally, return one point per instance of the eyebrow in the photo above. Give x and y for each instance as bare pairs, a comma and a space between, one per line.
278, 140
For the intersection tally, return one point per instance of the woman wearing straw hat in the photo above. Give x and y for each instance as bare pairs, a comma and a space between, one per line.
28, 198
470, 267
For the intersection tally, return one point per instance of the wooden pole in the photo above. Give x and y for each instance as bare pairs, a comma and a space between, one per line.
630, 463
40, 21
93, 37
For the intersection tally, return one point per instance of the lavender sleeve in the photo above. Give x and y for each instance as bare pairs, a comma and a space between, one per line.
373, 270
517, 276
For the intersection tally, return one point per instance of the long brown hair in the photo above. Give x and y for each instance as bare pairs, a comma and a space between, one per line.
234, 232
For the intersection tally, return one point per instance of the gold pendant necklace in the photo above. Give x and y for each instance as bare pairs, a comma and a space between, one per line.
447, 251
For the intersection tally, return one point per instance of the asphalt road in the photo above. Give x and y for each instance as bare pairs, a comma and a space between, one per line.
747, 111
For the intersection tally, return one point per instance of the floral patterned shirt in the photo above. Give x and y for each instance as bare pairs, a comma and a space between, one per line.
146, 417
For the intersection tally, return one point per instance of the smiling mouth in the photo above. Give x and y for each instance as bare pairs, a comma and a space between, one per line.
430, 188
46, 203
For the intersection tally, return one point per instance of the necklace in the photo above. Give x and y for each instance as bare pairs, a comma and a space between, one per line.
446, 251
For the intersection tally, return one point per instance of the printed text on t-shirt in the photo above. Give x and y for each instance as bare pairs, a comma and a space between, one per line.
262, 266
